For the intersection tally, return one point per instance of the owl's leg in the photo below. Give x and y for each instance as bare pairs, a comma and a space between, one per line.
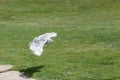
49, 41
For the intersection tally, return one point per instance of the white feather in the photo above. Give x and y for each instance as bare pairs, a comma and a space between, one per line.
36, 46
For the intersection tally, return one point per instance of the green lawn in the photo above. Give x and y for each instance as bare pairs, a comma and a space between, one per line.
87, 46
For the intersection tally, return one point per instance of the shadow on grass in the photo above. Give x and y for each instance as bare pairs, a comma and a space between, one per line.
28, 72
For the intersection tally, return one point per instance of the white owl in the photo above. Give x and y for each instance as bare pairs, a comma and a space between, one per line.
36, 46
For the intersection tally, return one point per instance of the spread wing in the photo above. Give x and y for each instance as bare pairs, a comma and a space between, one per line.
36, 46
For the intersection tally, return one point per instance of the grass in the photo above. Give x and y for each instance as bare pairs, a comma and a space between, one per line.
87, 46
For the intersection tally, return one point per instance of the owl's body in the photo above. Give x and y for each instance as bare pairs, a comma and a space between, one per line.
36, 46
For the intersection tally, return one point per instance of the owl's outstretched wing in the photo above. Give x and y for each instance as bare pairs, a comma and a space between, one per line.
36, 46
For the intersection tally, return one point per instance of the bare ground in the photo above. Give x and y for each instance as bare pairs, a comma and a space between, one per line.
6, 73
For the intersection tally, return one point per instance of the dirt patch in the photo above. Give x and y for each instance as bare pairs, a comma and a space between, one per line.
6, 73
4, 68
